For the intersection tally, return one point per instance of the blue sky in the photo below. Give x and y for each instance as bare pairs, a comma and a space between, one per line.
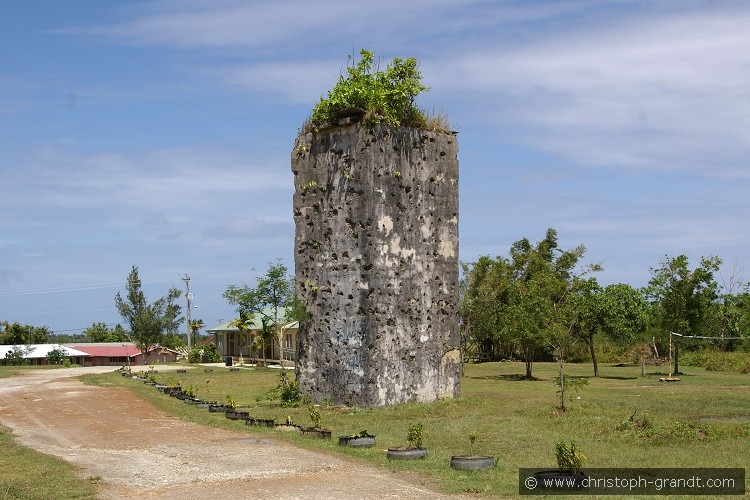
159, 134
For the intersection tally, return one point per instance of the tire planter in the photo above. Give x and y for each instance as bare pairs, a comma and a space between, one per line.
261, 422
406, 453
463, 462
218, 408
357, 441
318, 433
288, 428
237, 415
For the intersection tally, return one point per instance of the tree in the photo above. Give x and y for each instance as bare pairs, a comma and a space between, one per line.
147, 322
57, 356
482, 295
523, 299
619, 311
16, 333
546, 278
272, 298
195, 326
172, 341
17, 355
244, 324
100, 332
682, 297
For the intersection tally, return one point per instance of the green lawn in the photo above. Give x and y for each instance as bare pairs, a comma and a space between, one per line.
27, 474
701, 421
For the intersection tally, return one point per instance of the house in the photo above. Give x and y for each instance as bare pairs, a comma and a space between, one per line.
94, 354
123, 354
230, 341
36, 354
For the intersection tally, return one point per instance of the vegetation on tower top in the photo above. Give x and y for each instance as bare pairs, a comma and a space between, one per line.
367, 94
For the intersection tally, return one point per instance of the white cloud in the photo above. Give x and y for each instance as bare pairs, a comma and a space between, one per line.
648, 91
152, 180
249, 227
298, 82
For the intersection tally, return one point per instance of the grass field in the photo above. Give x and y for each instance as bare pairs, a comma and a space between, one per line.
701, 421
27, 474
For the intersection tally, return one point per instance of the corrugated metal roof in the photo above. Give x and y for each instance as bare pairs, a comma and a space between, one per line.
109, 350
41, 350
255, 323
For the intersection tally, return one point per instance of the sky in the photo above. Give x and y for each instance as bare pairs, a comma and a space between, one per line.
159, 134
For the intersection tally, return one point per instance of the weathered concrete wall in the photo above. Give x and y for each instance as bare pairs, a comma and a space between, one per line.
376, 261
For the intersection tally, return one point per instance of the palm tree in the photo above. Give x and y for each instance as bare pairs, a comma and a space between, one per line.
266, 335
243, 324
195, 325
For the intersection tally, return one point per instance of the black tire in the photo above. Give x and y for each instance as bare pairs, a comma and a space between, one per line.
472, 463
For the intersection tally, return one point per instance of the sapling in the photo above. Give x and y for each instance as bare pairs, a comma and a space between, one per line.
231, 402
569, 457
415, 435
472, 438
315, 416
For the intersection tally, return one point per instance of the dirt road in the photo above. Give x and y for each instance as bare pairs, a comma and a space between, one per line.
139, 451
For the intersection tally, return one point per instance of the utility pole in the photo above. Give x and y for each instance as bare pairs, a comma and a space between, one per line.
188, 296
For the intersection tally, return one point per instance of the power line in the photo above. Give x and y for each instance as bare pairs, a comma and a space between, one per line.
81, 329
77, 288
57, 312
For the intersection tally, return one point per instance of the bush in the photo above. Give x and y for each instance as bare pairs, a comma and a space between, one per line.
16, 356
415, 435
290, 394
569, 457
381, 96
713, 360
209, 351
57, 356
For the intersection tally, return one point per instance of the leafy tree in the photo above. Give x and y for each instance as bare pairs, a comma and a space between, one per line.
208, 351
148, 322
545, 279
482, 294
100, 332
619, 311
67, 338
271, 300
97, 332
524, 299
383, 96
172, 341
57, 356
17, 355
682, 297
730, 314
16, 333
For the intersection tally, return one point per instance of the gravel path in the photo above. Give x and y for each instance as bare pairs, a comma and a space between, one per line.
139, 451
